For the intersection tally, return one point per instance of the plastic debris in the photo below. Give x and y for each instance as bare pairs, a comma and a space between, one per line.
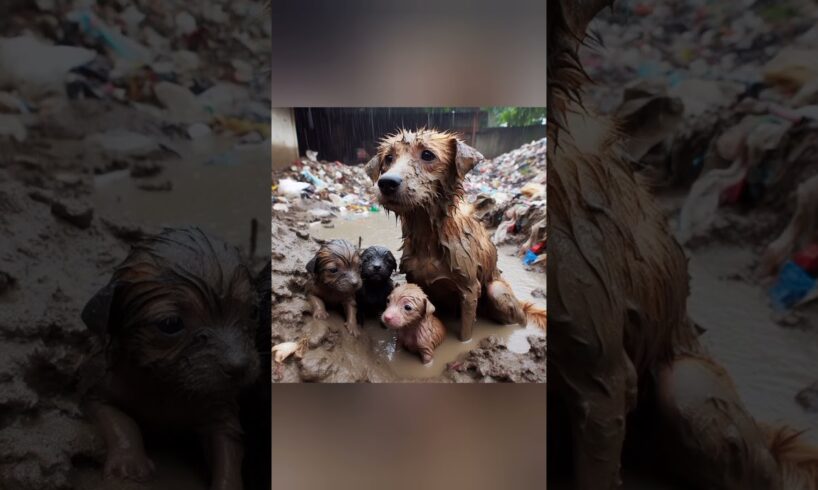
792, 286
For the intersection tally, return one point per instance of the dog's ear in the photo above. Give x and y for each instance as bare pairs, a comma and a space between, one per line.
390, 259
466, 158
430, 308
373, 168
97, 312
312, 265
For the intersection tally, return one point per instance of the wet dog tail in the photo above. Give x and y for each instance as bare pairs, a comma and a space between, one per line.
797, 460
534, 314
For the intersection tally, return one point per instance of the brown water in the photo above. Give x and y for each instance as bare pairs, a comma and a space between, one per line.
378, 229
200, 191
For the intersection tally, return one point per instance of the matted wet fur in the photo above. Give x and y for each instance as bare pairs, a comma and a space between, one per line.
446, 251
411, 313
377, 266
621, 337
179, 318
335, 277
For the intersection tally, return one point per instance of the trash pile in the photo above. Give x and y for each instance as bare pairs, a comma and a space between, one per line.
721, 99
323, 189
192, 67
509, 193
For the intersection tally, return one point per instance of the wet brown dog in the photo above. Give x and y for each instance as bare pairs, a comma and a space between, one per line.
179, 320
411, 313
335, 277
445, 250
621, 341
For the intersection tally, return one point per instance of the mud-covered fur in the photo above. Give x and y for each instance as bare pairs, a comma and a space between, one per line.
446, 251
622, 341
410, 312
335, 277
179, 317
377, 266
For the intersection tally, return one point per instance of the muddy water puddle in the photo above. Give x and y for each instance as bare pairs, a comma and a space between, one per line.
199, 192
379, 229
769, 363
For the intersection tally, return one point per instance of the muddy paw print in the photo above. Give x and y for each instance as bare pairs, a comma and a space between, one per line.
131, 465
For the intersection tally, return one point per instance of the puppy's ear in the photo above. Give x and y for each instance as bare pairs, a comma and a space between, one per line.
312, 265
373, 168
430, 308
466, 158
390, 260
97, 314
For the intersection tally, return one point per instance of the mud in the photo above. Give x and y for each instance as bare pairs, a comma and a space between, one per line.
335, 357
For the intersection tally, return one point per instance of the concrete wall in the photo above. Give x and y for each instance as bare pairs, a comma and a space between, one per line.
492, 142
284, 140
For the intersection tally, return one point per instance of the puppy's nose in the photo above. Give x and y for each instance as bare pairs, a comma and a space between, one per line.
388, 184
235, 364
376, 267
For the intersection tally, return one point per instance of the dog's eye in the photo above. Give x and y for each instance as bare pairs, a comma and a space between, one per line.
407, 307
388, 159
427, 155
171, 325
333, 270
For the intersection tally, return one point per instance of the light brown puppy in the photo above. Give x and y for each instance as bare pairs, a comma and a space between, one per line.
411, 313
445, 250
335, 277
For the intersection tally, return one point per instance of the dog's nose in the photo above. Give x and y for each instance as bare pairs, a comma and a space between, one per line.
235, 364
388, 184
376, 267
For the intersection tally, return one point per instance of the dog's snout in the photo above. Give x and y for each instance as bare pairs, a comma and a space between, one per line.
376, 267
389, 183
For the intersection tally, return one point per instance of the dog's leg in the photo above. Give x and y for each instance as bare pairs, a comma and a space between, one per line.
503, 306
702, 421
126, 456
600, 397
225, 451
319, 311
351, 321
468, 310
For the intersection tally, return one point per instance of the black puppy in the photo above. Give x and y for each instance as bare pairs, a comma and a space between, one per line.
377, 266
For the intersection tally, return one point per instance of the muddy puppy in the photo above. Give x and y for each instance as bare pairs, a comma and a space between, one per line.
377, 266
446, 251
179, 321
335, 277
411, 313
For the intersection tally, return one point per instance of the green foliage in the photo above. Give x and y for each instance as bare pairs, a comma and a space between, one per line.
519, 116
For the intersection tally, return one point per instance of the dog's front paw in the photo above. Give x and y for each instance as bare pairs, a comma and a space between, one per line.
353, 329
320, 315
128, 464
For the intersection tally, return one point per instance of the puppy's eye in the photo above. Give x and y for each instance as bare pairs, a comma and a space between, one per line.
333, 270
171, 325
427, 156
388, 159
407, 307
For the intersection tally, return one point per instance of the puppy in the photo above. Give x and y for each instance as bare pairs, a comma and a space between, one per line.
377, 266
179, 320
335, 277
411, 313
446, 251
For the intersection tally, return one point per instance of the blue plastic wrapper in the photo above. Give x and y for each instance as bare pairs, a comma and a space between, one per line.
529, 258
793, 284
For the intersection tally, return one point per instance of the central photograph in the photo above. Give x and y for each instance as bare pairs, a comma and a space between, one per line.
408, 244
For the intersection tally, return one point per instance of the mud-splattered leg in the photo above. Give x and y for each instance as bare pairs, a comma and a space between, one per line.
468, 311
703, 422
501, 304
319, 311
225, 451
351, 319
126, 456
